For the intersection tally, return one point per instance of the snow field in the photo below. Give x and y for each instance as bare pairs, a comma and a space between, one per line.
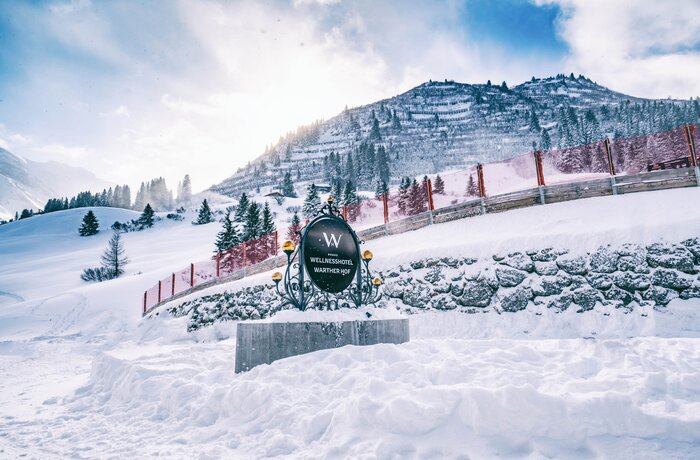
81, 375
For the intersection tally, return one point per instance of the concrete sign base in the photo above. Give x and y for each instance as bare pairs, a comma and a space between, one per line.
263, 343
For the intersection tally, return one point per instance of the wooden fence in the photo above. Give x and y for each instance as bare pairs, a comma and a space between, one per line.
614, 185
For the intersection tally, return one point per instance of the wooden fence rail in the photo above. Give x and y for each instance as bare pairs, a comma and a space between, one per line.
556, 193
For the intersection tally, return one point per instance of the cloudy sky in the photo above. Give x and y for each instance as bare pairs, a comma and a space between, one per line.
137, 89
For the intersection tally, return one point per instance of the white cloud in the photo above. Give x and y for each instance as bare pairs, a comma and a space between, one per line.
318, 2
60, 152
4, 144
121, 111
69, 6
19, 139
643, 48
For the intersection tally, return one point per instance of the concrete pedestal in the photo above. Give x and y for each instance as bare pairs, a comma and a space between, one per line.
263, 343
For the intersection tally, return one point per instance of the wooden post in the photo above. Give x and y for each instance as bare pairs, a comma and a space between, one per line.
431, 204
385, 201
690, 138
540, 174
172, 289
429, 193
218, 264
145, 296
690, 135
159, 290
191, 275
608, 154
277, 243
538, 168
480, 180
345, 212
244, 257
611, 166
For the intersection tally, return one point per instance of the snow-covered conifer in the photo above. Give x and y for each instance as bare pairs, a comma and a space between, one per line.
312, 202
90, 225
205, 215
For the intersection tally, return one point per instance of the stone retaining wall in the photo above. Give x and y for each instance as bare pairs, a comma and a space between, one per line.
624, 278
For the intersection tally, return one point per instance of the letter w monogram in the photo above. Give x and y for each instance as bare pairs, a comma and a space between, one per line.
332, 239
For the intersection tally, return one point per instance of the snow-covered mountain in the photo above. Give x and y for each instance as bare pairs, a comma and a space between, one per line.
26, 184
443, 125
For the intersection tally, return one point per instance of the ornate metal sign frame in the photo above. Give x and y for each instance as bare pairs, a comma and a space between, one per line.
303, 293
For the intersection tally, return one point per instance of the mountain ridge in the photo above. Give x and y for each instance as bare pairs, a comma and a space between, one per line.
28, 184
437, 126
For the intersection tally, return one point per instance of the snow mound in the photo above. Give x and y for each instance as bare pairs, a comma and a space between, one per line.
425, 399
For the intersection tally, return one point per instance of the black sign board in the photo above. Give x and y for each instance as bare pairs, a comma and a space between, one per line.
331, 254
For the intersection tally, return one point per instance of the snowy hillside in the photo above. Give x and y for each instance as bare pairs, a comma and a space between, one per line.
446, 125
26, 184
84, 376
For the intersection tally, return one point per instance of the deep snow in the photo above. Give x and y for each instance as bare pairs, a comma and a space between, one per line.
81, 375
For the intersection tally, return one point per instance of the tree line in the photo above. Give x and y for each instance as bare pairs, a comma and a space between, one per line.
155, 193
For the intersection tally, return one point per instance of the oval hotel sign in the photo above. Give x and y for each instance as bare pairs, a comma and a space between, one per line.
331, 254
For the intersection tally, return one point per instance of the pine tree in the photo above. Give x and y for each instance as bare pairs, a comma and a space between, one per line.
351, 201
186, 194
374, 134
288, 186
395, 122
228, 237
205, 215
126, 197
252, 226
534, 122
113, 259
439, 187
90, 225
293, 233
268, 223
381, 189
545, 140
146, 218
312, 202
383, 165
350, 173
242, 209
471, 186
141, 198
404, 195
416, 198
337, 188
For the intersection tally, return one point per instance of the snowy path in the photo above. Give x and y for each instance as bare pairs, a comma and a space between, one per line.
426, 399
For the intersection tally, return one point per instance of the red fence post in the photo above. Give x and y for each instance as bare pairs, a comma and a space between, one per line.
431, 204
218, 264
277, 243
172, 288
191, 275
385, 201
145, 296
538, 167
608, 153
480, 180
244, 257
159, 290
345, 212
690, 136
